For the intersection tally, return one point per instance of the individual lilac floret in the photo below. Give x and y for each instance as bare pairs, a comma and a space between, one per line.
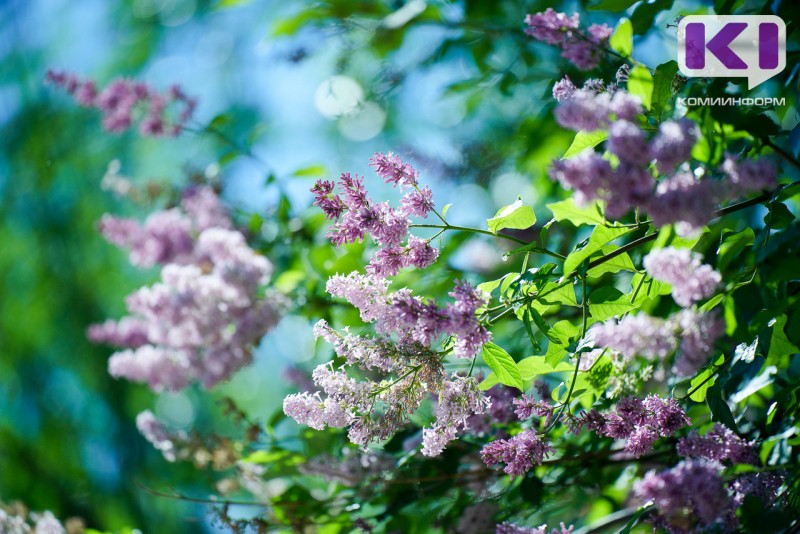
673, 144
627, 141
159, 435
699, 333
719, 444
122, 99
683, 198
687, 497
691, 280
519, 453
551, 27
637, 335
511, 528
750, 175
563, 89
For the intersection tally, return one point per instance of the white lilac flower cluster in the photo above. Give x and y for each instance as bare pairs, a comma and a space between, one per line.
691, 332
681, 196
37, 523
200, 321
402, 353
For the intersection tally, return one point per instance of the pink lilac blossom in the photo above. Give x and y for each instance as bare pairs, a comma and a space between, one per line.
584, 50
519, 453
564, 89
698, 334
637, 335
527, 407
159, 435
511, 528
641, 422
673, 144
750, 175
684, 198
201, 320
719, 444
123, 100
357, 216
459, 399
628, 142
687, 497
410, 318
691, 280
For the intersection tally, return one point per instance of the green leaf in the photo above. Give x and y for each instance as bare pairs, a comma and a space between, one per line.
662, 85
516, 216
611, 5
601, 236
640, 83
312, 170
445, 209
699, 395
503, 366
779, 343
567, 210
534, 366
622, 262
290, 25
608, 301
732, 243
542, 325
635, 518
648, 288
720, 411
645, 14
584, 141
559, 293
622, 38
779, 216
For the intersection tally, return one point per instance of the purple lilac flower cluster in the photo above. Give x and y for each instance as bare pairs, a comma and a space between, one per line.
410, 318
124, 101
691, 332
719, 444
511, 528
691, 280
638, 421
519, 453
722, 445
689, 496
501, 409
406, 328
583, 49
357, 216
527, 407
201, 320
681, 197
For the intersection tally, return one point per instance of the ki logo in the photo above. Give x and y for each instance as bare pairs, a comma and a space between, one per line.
732, 46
